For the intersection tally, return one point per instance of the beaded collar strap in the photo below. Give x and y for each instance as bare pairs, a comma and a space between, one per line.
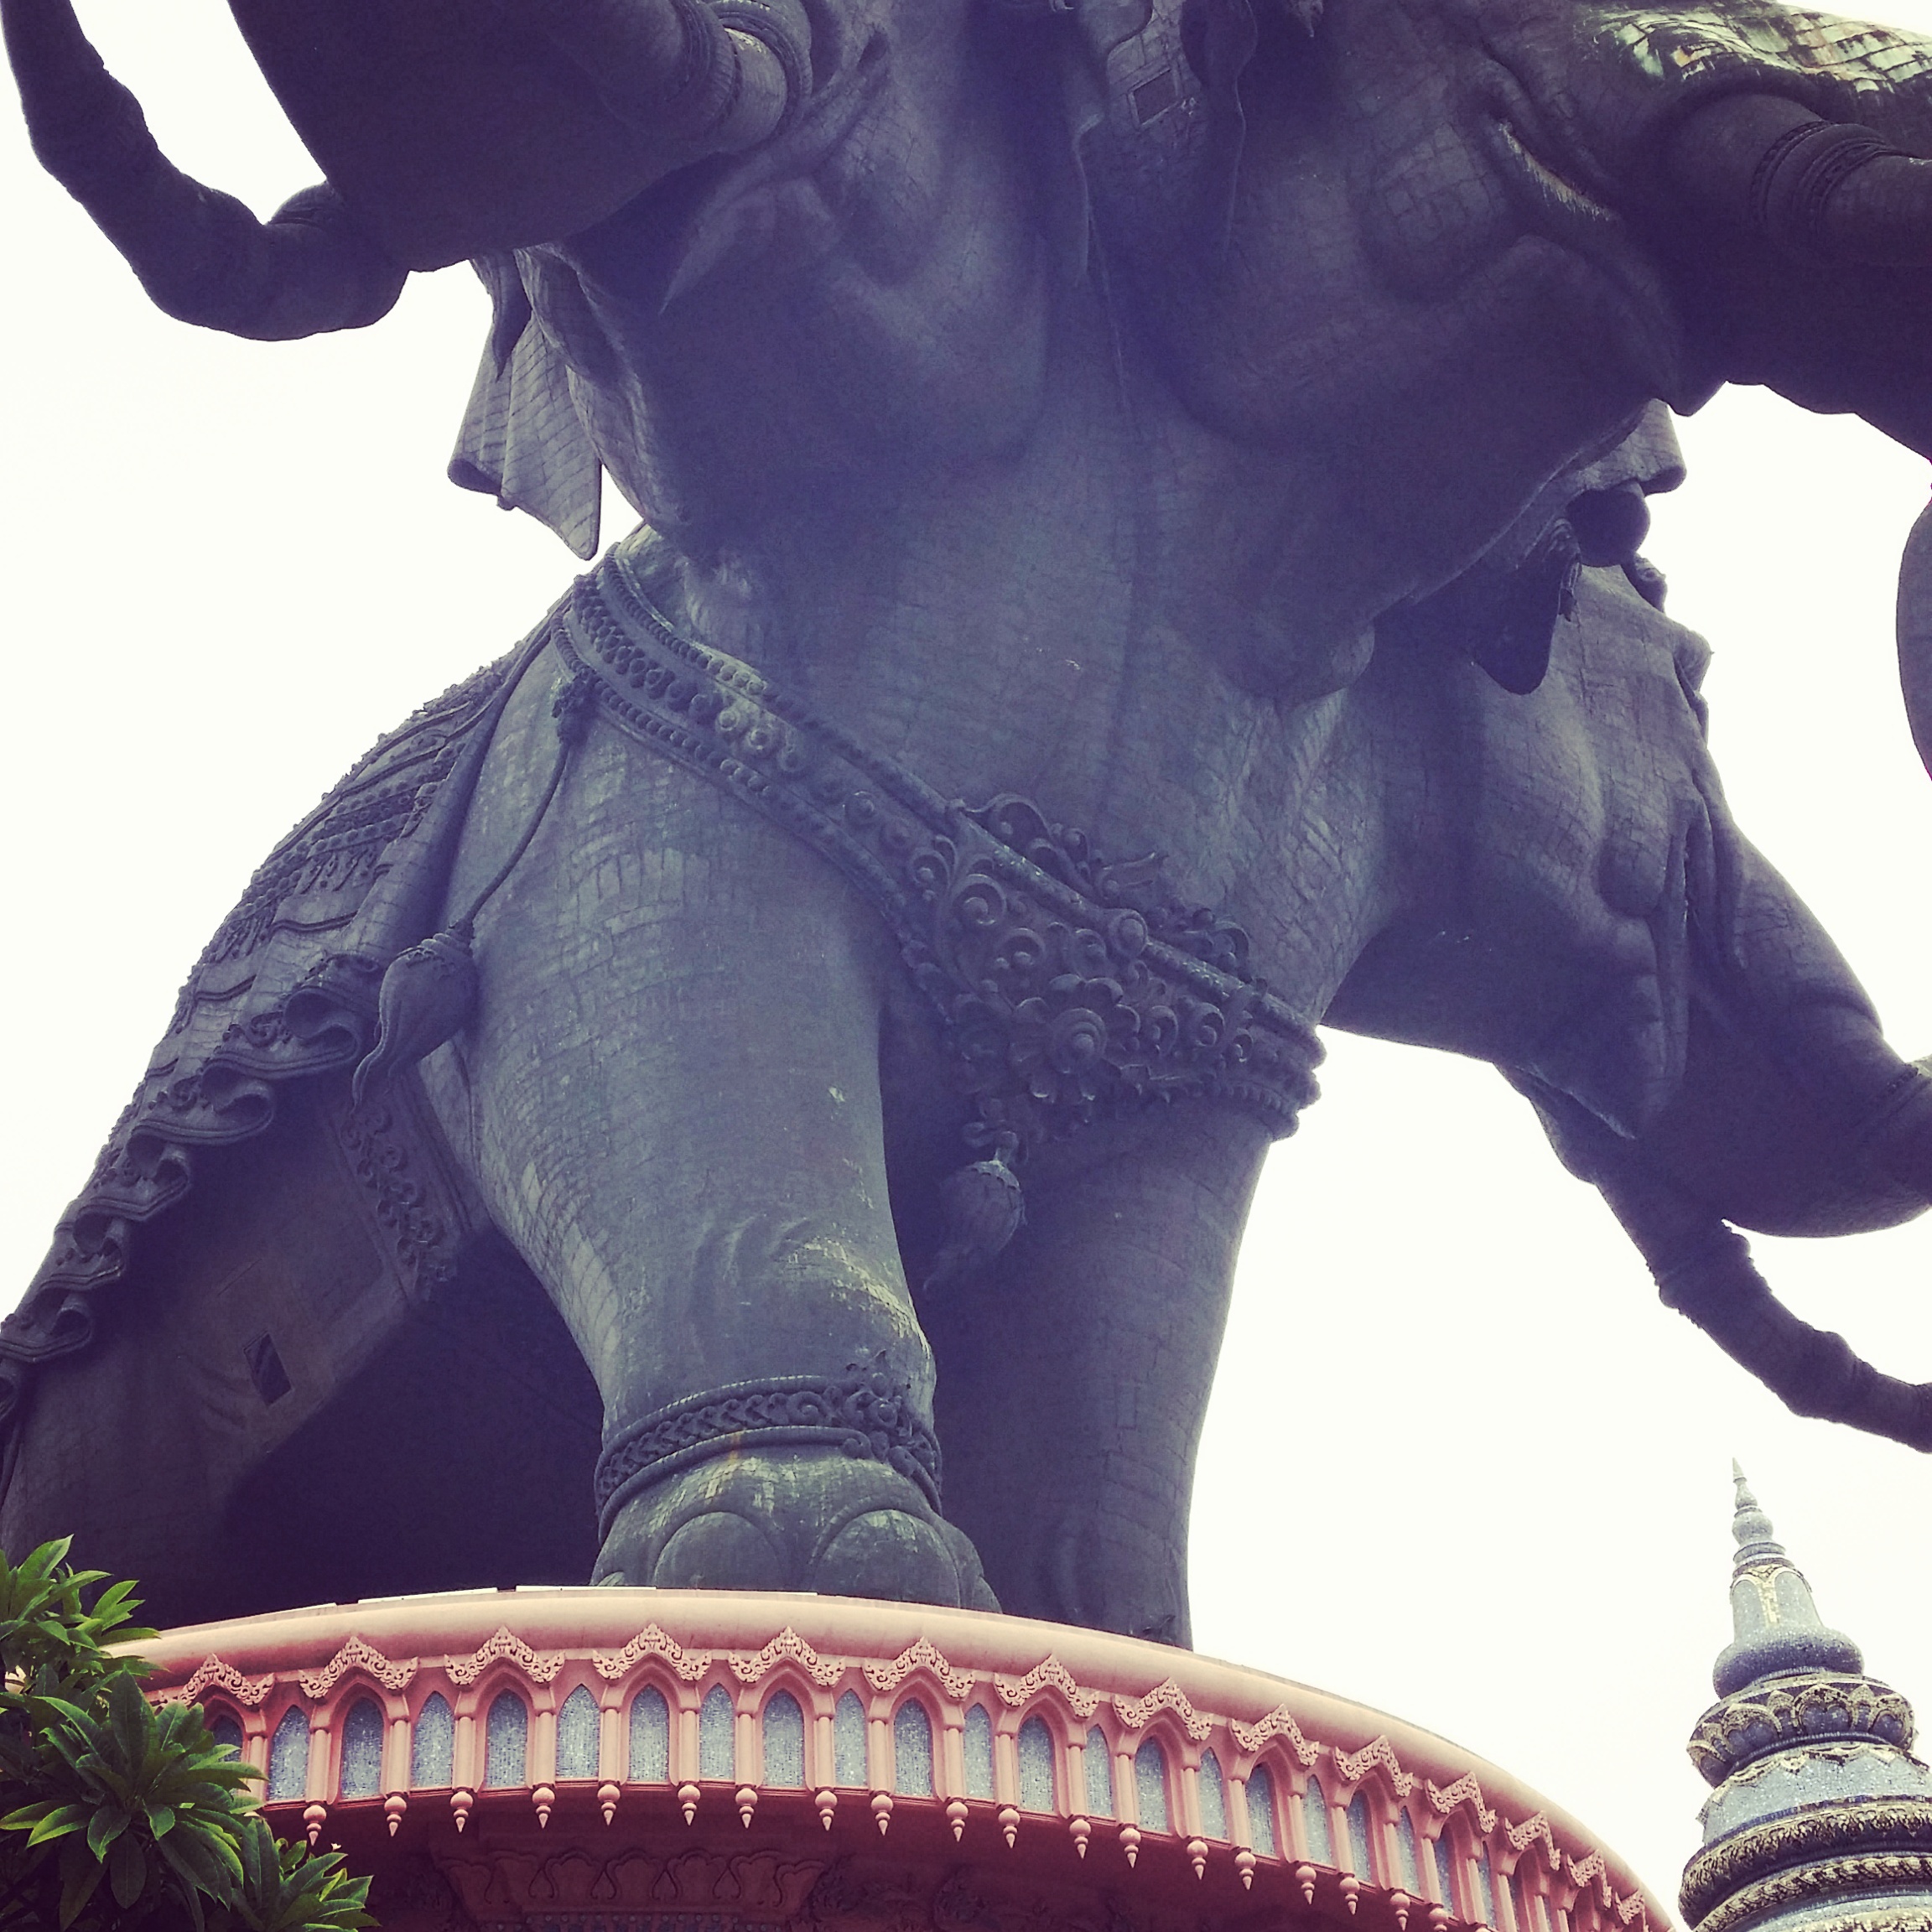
1065, 986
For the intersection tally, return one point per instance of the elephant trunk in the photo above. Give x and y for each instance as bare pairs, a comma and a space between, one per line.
1827, 190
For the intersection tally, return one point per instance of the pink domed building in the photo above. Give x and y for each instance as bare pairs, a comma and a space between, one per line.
613, 1760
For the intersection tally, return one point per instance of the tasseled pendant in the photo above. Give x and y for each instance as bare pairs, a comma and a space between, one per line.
983, 1206
426, 994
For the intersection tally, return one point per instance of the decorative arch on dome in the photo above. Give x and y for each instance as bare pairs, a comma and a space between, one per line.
359, 1755
506, 1741
782, 1735
433, 1744
1153, 1802
913, 1765
1039, 1759
1211, 1796
976, 1745
648, 1736
848, 1753
579, 1733
288, 1756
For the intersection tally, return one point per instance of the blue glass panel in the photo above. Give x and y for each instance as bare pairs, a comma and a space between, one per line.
506, 1741
1485, 1887
288, 1756
650, 1737
1518, 1905
1361, 1858
1099, 1774
848, 1742
433, 1743
1261, 1811
912, 1750
1213, 1790
576, 1726
978, 1752
1405, 1851
1151, 1787
362, 1750
1036, 1792
227, 1733
1445, 1874
1315, 1823
784, 1726
717, 1735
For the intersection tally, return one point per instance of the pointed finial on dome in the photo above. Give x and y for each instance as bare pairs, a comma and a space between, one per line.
1776, 1624
1749, 1524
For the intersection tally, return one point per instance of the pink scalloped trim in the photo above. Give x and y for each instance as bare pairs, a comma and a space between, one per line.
212, 1675
748, 1666
1136, 1711
356, 1655
916, 1656
1356, 1765
651, 1642
1017, 1690
539, 1667
1446, 1797
1280, 1723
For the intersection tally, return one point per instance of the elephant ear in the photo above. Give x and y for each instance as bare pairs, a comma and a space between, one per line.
523, 440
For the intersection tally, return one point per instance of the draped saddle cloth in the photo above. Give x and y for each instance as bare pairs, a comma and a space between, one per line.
250, 1241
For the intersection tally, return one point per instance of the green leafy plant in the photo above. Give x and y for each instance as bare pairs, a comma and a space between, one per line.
116, 1815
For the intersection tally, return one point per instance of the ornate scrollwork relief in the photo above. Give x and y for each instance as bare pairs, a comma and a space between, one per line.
916, 1656
538, 1666
356, 1655
1813, 1709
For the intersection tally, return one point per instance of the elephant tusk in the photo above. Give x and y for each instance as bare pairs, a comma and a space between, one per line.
1811, 187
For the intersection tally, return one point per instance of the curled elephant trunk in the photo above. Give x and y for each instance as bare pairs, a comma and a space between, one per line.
201, 256
1823, 188
1703, 1270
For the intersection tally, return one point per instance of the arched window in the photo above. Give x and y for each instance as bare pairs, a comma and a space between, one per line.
1036, 1782
1261, 1811
1485, 1886
1519, 1905
783, 1724
1405, 1853
717, 1735
226, 1732
576, 1726
288, 1756
1151, 1786
1445, 1875
506, 1741
1315, 1823
432, 1743
848, 1742
912, 1750
1099, 1774
1361, 1856
1213, 1790
362, 1774
978, 1752
650, 1737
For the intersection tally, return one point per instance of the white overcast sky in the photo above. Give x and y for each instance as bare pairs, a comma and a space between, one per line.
1460, 1463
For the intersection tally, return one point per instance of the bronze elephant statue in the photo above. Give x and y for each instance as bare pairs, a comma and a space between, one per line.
1141, 504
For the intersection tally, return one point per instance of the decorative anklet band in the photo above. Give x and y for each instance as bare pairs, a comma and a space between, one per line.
864, 1413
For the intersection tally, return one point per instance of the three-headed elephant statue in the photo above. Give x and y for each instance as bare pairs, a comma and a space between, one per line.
1140, 504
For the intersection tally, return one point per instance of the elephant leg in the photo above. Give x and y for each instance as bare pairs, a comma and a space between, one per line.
669, 1097
1074, 1376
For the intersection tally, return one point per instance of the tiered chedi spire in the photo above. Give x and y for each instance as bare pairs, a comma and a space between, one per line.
1821, 1819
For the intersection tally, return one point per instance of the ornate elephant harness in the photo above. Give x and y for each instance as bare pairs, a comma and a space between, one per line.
1065, 986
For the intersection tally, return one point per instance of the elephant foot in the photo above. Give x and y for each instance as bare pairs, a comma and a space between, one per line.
804, 1519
